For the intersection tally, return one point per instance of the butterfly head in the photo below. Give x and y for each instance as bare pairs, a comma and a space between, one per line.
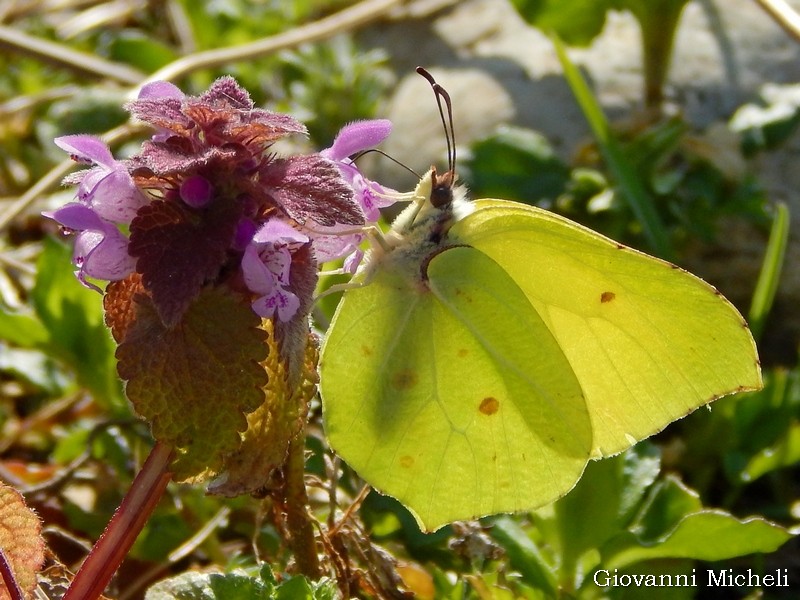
441, 195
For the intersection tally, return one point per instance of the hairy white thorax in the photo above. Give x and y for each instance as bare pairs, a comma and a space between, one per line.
418, 232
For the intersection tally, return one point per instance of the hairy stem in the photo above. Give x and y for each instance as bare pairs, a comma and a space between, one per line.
124, 527
301, 529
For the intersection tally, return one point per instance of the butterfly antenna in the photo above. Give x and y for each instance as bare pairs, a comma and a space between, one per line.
442, 185
443, 101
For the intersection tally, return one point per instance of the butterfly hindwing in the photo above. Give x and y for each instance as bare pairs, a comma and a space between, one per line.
459, 401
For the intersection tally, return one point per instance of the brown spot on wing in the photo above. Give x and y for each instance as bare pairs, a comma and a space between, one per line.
489, 405
404, 379
607, 297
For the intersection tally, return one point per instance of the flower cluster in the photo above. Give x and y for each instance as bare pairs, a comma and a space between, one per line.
205, 202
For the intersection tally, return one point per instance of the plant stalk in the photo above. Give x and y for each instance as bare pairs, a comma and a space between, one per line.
124, 527
301, 530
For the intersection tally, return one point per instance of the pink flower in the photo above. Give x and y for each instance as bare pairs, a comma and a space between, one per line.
352, 139
101, 250
205, 199
266, 266
107, 188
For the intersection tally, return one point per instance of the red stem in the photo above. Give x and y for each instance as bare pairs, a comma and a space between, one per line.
12, 587
124, 527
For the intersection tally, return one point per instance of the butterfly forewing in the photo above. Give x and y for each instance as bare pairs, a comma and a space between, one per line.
648, 342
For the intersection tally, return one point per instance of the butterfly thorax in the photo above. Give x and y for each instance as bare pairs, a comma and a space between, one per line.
422, 229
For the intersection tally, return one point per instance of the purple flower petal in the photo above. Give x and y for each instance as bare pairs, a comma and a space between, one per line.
371, 196
160, 89
331, 246
76, 216
351, 139
115, 197
107, 187
258, 278
266, 266
284, 302
86, 149
101, 250
277, 231
104, 258
358, 136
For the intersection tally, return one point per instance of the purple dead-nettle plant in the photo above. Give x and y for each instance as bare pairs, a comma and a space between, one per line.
211, 244
206, 202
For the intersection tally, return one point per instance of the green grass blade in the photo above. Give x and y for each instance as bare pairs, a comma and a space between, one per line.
629, 183
771, 268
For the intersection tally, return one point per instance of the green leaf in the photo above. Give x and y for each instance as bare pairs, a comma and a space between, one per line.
212, 586
658, 20
136, 49
22, 330
76, 332
771, 268
33, 366
784, 453
524, 555
668, 502
708, 535
577, 22
767, 125
241, 584
604, 500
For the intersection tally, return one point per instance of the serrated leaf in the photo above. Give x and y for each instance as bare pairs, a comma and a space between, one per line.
20, 539
195, 381
271, 426
209, 586
240, 585
179, 249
